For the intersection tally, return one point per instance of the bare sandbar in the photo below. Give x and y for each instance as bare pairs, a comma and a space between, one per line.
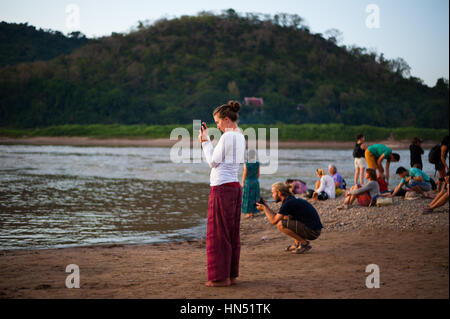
410, 249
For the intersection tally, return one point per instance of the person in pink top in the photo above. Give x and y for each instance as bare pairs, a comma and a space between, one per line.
297, 186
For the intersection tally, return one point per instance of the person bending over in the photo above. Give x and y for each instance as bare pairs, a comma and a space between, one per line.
375, 154
414, 179
296, 218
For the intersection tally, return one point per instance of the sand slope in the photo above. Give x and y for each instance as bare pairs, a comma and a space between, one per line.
410, 249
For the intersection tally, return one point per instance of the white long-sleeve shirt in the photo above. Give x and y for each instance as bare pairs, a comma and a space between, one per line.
327, 185
224, 159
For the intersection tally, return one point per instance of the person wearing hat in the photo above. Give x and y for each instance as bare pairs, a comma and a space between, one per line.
416, 153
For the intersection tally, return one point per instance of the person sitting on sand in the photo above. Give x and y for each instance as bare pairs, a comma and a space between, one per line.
325, 187
371, 188
375, 154
296, 218
440, 199
338, 179
415, 179
297, 186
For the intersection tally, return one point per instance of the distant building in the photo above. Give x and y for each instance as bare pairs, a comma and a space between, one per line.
256, 102
301, 107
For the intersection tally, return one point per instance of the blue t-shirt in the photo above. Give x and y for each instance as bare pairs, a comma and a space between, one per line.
338, 178
301, 210
415, 172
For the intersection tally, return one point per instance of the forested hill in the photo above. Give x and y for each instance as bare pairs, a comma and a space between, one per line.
24, 43
176, 70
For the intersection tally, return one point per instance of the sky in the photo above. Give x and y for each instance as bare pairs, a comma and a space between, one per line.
415, 30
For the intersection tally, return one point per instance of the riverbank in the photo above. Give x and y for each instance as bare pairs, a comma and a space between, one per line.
165, 142
310, 135
411, 250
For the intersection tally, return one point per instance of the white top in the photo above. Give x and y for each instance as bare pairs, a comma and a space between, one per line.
225, 158
327, 185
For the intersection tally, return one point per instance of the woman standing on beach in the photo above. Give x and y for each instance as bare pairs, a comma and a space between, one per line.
250, 184
225, 198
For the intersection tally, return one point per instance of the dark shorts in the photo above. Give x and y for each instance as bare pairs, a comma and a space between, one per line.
322, 196
439, 166
301, 229
426, 187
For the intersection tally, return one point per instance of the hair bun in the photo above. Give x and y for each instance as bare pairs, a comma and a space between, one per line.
234, 105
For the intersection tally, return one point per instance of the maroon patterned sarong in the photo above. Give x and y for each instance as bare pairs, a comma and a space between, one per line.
223, 244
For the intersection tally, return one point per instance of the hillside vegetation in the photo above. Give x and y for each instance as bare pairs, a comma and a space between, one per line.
177, 70
286, 132
21, 42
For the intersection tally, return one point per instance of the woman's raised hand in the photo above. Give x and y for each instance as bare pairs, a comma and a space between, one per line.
203, 133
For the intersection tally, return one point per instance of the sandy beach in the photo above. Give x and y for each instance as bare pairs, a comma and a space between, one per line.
410, 248
163, 142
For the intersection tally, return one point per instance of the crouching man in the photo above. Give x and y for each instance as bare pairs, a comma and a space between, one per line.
414, 179
297, 218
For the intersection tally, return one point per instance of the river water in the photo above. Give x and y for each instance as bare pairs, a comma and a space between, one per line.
61, 196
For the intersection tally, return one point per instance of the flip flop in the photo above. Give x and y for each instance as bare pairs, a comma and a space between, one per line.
291, 248
302, 249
